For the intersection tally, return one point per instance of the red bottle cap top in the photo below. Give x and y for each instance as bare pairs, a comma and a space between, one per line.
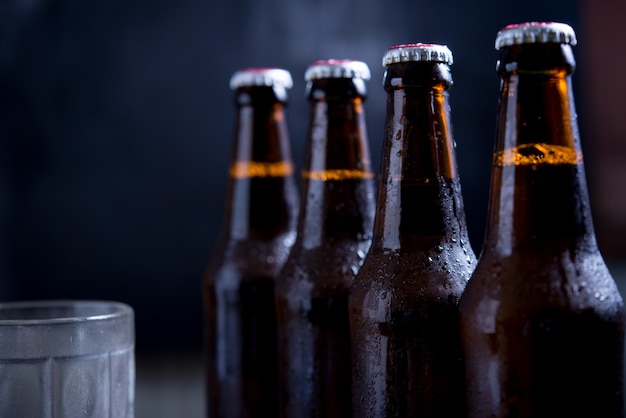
417, 52
261, 77
535, 32
337, 69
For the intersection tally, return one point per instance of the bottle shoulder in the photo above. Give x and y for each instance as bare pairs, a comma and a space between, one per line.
260, 242
525, 282
241, 260
326, 268
409, 277
407, 291
419, 255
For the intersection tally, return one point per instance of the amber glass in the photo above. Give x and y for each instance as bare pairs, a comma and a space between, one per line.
334, 234
258, 232
542, 320
403, 307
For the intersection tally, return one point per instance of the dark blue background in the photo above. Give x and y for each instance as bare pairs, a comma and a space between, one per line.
116, 125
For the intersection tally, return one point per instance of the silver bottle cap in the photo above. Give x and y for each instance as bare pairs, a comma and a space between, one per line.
418, 52
261, 77
535, 32
337, 69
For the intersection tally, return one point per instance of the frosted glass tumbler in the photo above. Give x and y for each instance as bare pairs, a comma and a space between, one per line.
67, 359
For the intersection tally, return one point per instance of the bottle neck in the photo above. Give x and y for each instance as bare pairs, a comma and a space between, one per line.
262, 196
419, 197
337, 177
539, 197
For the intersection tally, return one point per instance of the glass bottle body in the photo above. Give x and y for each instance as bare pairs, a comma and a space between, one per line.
334, 233
542, 320
403, 307
239, 282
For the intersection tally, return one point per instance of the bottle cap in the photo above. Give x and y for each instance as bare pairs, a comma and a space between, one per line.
535, 32
337, 69
261, 77
417, 52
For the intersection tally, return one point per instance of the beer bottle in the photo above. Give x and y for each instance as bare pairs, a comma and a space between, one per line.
257, 234
542, 321
403, 306
334, 234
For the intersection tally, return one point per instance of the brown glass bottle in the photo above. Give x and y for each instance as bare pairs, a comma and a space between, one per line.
334, 233
542, 321
404, 303
257, 233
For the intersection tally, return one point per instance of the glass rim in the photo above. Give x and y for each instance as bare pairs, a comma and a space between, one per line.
104, 310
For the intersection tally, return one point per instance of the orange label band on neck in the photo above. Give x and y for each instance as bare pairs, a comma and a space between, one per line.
245, 169
337, 175
538, 154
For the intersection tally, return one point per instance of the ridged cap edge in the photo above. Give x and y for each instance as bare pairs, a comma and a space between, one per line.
535, 32
261, 77
337, 69
418, 52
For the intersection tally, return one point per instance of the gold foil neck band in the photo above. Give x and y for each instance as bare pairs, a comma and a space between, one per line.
326, 175
538, 154
246, 169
